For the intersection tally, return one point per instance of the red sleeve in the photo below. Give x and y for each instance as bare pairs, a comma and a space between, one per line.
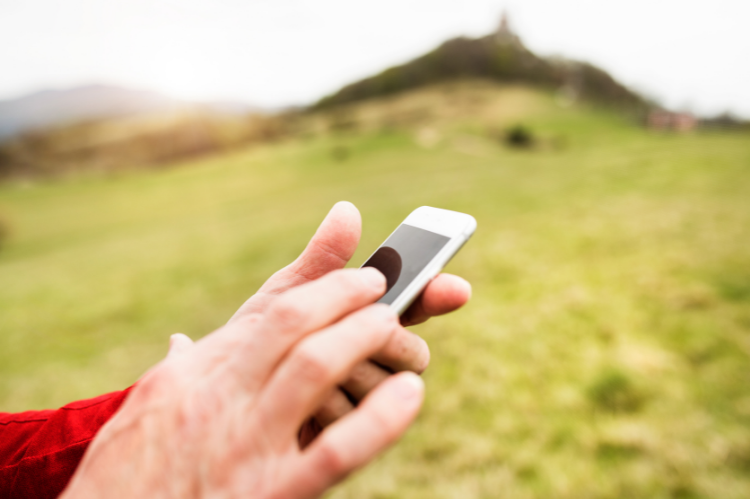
40, 450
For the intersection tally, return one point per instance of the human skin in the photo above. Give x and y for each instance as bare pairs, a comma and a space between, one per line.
222, 417
330, 249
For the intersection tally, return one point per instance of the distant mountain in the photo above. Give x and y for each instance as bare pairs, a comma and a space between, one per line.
58, 107
500, 56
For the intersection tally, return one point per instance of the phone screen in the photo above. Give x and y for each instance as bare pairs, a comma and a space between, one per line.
403, 256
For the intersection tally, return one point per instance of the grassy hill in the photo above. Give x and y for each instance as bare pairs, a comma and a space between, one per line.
605, 352
500, 57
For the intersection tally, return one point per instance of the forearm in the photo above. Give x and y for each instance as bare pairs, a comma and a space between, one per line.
40, 450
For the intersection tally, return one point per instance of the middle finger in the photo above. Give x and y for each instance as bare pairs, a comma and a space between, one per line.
363, 379
405, 351
319, 363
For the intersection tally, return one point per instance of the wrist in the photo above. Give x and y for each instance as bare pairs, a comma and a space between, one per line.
126, 458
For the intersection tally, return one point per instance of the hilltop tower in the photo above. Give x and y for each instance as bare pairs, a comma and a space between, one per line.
504, 35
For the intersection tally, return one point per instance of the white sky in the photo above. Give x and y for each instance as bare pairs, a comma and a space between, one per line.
689, 54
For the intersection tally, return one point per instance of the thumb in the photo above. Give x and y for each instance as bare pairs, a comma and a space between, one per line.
332, 245
330, 249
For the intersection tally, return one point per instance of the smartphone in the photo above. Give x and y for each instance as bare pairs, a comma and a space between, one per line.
417, 251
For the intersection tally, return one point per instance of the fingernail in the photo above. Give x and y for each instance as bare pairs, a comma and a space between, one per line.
372, 277
408, 387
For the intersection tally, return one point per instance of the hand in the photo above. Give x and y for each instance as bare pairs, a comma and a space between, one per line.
221, 418
330, 249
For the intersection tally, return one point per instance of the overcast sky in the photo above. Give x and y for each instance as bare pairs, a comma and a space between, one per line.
688, 54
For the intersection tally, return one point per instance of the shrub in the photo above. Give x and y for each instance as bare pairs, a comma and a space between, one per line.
519, 137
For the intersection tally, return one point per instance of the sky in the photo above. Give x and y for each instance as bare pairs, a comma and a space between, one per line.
690, 55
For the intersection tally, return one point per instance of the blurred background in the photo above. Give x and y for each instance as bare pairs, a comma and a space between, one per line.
160, 159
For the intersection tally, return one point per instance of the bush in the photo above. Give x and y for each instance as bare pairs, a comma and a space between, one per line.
519, 137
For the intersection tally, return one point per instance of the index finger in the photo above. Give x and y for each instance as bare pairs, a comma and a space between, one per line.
300, 312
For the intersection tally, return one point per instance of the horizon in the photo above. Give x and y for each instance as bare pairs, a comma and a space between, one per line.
180, 50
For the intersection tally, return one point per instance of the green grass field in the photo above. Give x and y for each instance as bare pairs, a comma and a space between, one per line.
606, 350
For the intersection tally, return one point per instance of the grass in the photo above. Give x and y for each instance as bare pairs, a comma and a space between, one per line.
606, 350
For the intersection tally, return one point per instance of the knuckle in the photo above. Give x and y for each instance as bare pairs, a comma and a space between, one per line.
405, 351
377, 318
361, 373
384, 423
331, 460
287, 313
310, 365
335, 407
349, 280
396, 351
401, 342
245, 321
363, 379
371, 327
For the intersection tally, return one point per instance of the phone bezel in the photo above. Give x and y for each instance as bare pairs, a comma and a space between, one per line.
459, 227
444, 222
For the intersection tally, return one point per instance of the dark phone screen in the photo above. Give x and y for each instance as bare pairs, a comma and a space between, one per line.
403, 256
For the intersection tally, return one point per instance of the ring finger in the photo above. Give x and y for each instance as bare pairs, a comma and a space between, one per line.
341, 401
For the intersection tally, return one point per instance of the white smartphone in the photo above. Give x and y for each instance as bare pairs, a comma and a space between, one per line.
417, 251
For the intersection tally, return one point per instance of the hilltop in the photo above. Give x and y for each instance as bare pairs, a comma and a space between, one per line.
502, 57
